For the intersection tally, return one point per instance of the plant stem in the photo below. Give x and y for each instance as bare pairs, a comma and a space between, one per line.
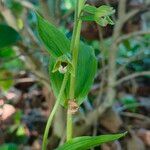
49, 122
69, 126
75, 42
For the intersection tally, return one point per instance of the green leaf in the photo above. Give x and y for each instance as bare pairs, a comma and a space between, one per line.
15, 6
55, 41
12, 129
127, 44
86, 70
7, 52
21, 131
84, 77
104, 21
101, 21
8, 147
13, 65
88, 18
10, 60
110, 21
8, 36
5, 84
17, 116
90, 9
130, 103
105, 10
87, 142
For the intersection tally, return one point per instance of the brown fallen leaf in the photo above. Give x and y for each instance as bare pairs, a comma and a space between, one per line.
1, 102
135, 143
111, 120
144, 135
6, 111
105, 147
36, 145
111, 146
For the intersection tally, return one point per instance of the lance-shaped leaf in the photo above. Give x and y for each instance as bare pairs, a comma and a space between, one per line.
110, 21
88, 18
8, 36
87, 142
101, 21
90, 9
104, 21
105, 10
86, 69
55, 41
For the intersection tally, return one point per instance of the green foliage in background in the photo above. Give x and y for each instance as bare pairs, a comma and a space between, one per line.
8, 57
9, 146
8, 36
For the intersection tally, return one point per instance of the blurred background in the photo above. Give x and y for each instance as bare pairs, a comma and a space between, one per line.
119, 99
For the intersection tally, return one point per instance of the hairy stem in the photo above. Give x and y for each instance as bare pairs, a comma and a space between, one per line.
49, 122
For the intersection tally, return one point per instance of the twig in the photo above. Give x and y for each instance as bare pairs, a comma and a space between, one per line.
35, 40
135, 115
100, 92
134, 12
140, 104
33, 64
100, 72
111, 92
47, 13
9, 18
19, 80
58, 10
130, 14
131, 76
24, 80
122, 9
130, 35
102, 47
27, 4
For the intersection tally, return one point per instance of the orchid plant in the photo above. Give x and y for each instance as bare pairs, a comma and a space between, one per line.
71, 78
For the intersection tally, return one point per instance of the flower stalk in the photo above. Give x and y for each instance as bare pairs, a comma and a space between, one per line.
75, 42
50, 119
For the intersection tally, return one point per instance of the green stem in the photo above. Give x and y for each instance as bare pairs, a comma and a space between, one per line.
69, 127
75, 42
49, 122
